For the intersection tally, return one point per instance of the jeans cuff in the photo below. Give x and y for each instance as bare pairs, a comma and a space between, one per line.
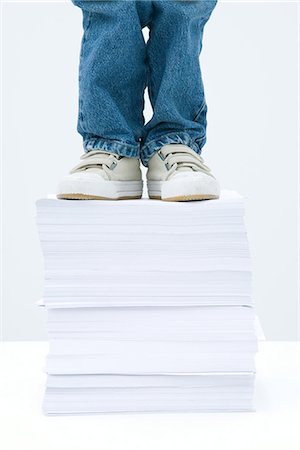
112, 146
195, 143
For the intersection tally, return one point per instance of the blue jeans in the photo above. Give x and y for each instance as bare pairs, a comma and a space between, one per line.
116, 65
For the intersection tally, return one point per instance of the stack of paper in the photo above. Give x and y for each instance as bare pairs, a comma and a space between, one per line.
149, 306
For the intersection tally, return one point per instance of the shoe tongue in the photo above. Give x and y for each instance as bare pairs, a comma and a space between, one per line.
98, 171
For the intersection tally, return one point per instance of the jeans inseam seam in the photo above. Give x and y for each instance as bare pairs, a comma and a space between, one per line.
203, 105
84, 39
150, 84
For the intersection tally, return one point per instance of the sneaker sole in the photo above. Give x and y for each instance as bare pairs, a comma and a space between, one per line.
185, 198
94, 197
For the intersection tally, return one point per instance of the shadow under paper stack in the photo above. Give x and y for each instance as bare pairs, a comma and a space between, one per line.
149, 306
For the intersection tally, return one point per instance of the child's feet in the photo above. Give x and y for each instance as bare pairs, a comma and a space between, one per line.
102, 176
177, 173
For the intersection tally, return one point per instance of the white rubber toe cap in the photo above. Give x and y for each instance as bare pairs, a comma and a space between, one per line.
193, 186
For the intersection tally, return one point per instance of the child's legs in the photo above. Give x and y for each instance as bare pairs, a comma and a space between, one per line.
175, 83
112, 77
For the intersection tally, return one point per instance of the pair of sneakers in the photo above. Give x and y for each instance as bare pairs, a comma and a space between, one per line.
175, 173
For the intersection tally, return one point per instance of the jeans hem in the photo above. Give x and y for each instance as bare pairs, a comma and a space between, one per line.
149, 149
112, 146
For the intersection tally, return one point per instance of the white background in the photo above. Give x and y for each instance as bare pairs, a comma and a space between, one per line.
250, 67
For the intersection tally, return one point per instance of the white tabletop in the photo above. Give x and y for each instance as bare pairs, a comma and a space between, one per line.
274, 426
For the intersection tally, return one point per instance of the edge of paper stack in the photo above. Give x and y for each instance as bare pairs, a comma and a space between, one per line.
149, 306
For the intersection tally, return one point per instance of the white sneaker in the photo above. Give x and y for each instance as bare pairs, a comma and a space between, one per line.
177, 173
102, 176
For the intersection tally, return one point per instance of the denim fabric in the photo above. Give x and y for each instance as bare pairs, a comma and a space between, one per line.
116, 65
